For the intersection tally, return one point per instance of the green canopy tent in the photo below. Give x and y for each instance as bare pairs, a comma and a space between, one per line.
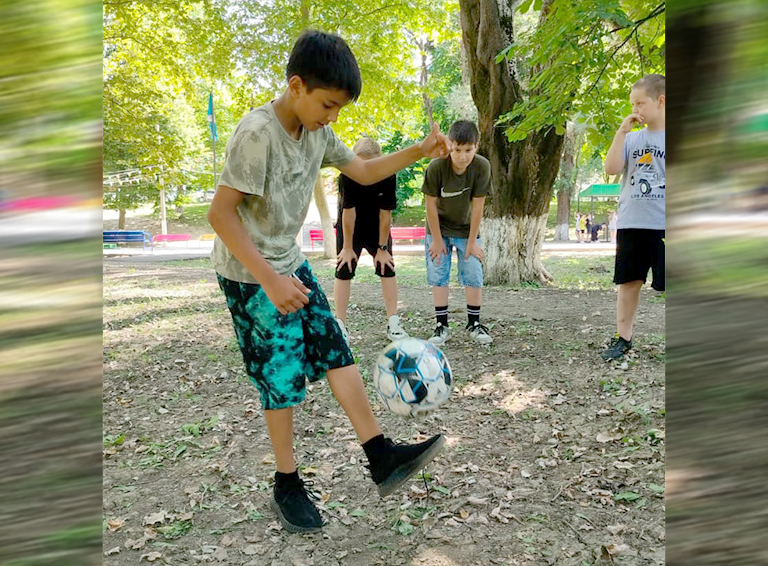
598, 192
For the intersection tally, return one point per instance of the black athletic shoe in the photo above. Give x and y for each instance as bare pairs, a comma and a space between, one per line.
617, 348
295, 510
399, 462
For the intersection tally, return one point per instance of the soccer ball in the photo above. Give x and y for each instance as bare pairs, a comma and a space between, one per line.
412, 377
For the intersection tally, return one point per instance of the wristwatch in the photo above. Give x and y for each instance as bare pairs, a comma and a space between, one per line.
384, 247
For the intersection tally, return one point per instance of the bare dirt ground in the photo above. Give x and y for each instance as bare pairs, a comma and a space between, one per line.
553, 457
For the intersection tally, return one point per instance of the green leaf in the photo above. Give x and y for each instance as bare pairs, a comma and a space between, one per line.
405, 529
357, 513
524, 6
656, 488
442, 489
626, 496
180, 449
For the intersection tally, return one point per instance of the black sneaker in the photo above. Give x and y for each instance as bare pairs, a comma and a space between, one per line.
617, 348
292, 504
440, 335
400, 462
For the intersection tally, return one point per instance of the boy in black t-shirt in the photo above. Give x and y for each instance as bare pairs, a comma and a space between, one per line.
364, 219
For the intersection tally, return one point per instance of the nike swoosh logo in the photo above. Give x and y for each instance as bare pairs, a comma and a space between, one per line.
445, 194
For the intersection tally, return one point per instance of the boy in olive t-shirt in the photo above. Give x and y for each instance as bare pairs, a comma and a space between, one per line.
455, 188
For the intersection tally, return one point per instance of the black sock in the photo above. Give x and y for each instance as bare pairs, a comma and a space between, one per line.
473, 314
286, 480
374, 447
442, 315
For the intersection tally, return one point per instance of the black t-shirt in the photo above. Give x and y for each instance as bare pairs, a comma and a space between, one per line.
367, 200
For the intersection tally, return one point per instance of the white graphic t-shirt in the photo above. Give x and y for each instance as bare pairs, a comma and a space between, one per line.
277, 174
641, 204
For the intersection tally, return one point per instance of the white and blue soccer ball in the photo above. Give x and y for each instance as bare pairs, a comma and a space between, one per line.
412, 377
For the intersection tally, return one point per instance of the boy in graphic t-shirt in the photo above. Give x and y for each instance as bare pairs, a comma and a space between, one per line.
640, 226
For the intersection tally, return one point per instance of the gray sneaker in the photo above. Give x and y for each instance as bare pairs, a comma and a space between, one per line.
479, 333
440, 335
344, 331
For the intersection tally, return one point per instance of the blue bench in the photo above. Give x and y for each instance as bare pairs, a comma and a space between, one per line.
127, 236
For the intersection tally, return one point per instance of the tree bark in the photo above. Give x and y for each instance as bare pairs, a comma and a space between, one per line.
569, 173
329, 234
121, 220
523, 172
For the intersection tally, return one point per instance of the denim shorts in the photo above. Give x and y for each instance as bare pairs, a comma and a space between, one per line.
281, 351
470, 270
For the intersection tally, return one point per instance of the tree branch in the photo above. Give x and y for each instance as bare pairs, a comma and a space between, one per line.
656, 11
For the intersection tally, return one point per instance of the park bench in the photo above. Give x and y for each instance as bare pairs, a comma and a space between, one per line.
171, 238
127, 236
411, 233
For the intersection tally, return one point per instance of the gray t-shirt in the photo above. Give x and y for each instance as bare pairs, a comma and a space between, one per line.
277, 174
455, 192
641, 204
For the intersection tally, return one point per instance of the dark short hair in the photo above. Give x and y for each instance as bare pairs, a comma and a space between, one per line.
324, 60
463, 131
653, 85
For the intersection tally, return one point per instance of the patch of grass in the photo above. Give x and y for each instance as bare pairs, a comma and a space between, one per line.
410, 216
580, 273
175, 530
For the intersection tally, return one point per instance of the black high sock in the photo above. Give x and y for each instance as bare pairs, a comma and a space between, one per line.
283, 481
374, 447
442, 315
473, 314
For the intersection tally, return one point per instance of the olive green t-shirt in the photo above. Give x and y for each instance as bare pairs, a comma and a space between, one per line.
277, 174
455, 192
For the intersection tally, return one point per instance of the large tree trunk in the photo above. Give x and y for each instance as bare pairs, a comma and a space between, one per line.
569, 172
522, 172
563, 228
329, 234
121, 220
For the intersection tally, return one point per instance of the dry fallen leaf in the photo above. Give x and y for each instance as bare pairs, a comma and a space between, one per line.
608, 437
250, 550
463, 514
112, 551
616, 529
151, 557
227, 540
115, 524
615, 549
477, 500
154, 518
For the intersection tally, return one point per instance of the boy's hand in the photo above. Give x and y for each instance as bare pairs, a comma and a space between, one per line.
437, 249
475, 249
383, 258
629, 122
287, 293
436, 144
346, 255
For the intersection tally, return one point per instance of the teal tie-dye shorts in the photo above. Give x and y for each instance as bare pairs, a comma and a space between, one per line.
280, 351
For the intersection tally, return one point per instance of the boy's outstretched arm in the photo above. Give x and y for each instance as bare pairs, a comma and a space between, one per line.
286, 293
614, 159
370, 171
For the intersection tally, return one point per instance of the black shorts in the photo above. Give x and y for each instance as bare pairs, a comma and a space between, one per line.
637, 251
358, 245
